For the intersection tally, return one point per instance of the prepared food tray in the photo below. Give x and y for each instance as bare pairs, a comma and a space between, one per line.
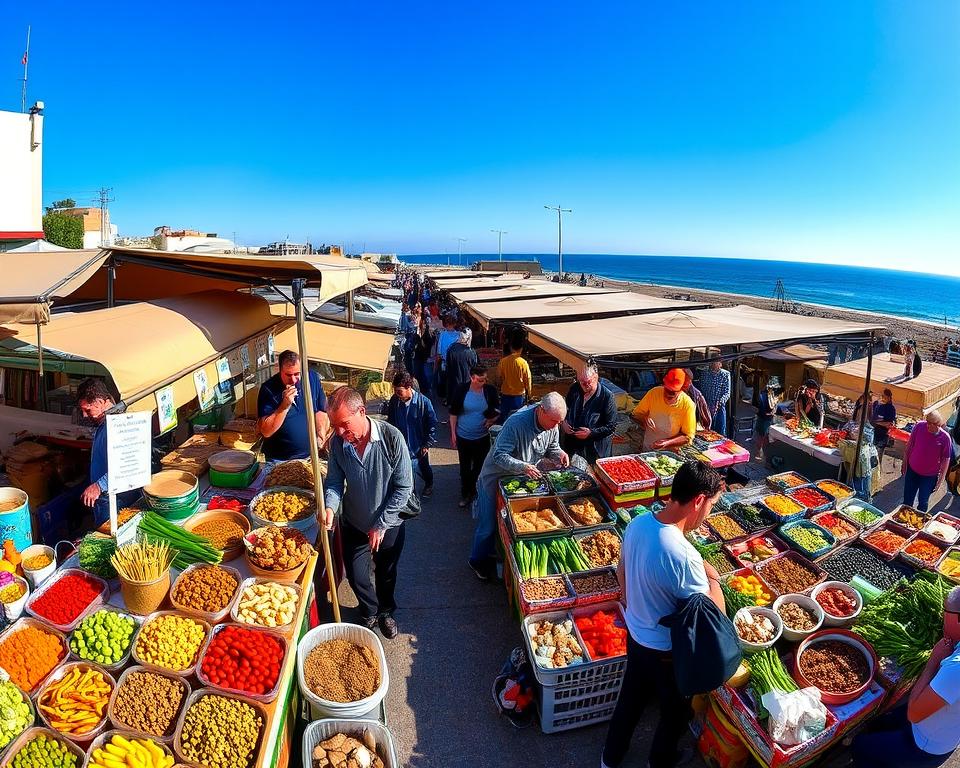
519, 486
709, 437
863, 514
841, 528
785, 480
601, 547
748, 582
537, 516
886, 539
626, 474
835, 489
945, 527
553, 640
812, 497
910, 518
587, 511
923, 551
756, 549
949, 564
780, 508
808, 538
790, 572
664, 465
570, 481
856, 560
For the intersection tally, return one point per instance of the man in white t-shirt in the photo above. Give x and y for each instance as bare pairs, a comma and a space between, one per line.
927, 731
659, 568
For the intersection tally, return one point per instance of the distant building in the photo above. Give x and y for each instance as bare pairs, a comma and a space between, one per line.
94, 234
191, 240
21, 177
286, 249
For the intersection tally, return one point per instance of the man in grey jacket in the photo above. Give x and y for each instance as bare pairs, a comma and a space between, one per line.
371, 461
528, 435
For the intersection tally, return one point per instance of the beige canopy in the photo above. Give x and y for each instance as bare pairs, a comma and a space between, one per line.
485, 283
664, 332
461, 274
529, 289
568, 308
337, 344
937, 386
795, 353
33, 281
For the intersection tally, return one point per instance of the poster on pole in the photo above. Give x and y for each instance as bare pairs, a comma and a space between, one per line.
271, 348
205, 392
166, 409
223, 370
245, 357
128, 451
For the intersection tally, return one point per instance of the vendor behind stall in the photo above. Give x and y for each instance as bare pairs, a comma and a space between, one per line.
280, 408
94, 400
668, 416
809, 403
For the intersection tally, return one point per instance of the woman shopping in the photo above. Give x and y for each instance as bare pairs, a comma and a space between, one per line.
926, 461
474, 408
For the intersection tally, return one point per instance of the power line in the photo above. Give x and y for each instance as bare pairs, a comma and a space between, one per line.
103, 198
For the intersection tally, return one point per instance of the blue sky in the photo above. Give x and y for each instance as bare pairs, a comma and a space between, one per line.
814, 131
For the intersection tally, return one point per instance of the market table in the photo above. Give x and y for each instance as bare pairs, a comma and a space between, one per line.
803, 455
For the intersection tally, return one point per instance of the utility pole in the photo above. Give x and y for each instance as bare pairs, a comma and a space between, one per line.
500, 234
560, 211
103, 198
460, 242
24, 60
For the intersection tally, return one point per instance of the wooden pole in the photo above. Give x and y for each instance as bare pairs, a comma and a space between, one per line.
298, 286
863, 410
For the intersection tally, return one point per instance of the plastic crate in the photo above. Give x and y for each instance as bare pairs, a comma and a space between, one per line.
777, 519
785, 530
828, 504
575, 674
785, 480
565, 707
629, 487
320, 730
887, 526
574, 471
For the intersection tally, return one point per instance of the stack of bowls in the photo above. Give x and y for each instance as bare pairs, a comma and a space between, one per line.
172, 493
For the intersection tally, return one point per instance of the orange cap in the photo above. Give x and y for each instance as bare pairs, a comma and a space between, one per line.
674, 379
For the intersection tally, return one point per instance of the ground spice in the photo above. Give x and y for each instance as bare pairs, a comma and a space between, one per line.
29, 654
149, 703
834, 666
341, 671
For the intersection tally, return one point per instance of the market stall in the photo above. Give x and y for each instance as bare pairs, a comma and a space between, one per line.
799, 450
481, 282
530, 289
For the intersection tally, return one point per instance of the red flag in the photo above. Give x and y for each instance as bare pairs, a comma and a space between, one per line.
23, 61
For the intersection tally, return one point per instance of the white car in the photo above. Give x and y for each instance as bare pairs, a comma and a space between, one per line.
364, 313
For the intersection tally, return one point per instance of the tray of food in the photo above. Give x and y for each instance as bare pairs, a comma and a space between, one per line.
537, 516
570, 482
808, 538
625, 474
588, 511
949, 564
945, 527
781, 508
601, 548
596, 586
516, 486
836, 489
786, 480
841, 528
790, 572
910, 518
719, 557
813, 498
747, 582
664, 464
726, 527
751, 517
756, 549
863, 514
856, 561
886, 539
923, 551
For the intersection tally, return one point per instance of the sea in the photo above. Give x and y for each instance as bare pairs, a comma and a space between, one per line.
916, 295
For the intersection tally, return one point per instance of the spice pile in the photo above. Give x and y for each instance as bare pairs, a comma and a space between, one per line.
171, 642
754, 627
103, 637
29, 655
283, 507
206, 588
536, 521
16, 713
11, 590
554, 645
77, 702
342, 751
885, 540
585, 512
604, 634
595, 583
279, 549
148, 702
222, 533
66, 598
726, 527
341, 671
245, 660
544, 589
796, 617
834, 666
120, 750
296, 473
836, 602
37, 562
601, 548
267, 604
220, 732
788, 574
43, 751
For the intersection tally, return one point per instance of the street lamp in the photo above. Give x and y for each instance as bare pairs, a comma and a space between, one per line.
460, 242
560, 211
500, 234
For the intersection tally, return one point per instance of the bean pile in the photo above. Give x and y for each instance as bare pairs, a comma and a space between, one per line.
29, 655
787, 574
207, 588
267, 604
220, 733
148, 702
283, 507
594, 583
103, 637
296, 473
726, 527
834, 666
796, 617
856, 561
601, 548
338, 670
807, 537
16, 713
171, 642
222, 533
43, 751
544, 589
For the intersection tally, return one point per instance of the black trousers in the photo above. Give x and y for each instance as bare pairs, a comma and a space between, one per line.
649, 674
471, 454
372, 575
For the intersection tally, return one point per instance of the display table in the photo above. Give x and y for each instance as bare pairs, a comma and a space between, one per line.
803, 456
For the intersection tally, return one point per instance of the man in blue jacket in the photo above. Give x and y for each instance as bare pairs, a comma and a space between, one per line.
413, 415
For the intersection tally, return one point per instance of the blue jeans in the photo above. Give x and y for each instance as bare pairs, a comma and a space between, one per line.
423, 372
101, 507
719, 423
915, 485
426, 471
485, 533
509, 404
890, 744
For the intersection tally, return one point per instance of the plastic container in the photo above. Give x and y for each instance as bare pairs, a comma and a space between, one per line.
751, 572
846, 509
58, 674
28, 735
353, 633
915, 561
591, 598
15, 522
854, 527
785, 532
153, 493
36, 576
948, 520
821, 575
29, 621
321, 730
32, 719
565, 707
646, 482
663, 481
235, 606
843, 636
551, 675
14, 610
212, 617
829, 619
553, 503
829, 502
265, 697
785, 480
581, 475
806, 602
836, 489
897, 517
119, 724
304, 523
542, 489
578, 537
776, 518
946, 567
106, 737
145, 597
599, 504
117, 665
102, 596
740, 548
757, 610
242, 479
183, 672
240, 519
609, 606
712, 522
887, 526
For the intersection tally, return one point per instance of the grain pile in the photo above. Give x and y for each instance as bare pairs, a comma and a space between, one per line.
341, 671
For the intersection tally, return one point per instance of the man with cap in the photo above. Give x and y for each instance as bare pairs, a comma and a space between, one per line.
927, 731
667, 414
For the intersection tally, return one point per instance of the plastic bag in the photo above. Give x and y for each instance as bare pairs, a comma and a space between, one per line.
795, 717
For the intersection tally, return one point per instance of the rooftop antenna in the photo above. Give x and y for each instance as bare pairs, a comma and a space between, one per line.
26, 57
103, 198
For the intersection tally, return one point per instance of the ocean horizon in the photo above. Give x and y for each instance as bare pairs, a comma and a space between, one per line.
916, 295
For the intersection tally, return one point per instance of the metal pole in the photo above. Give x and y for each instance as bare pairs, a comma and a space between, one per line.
350, 309
863, 411
560, 240
43, 379
734, 396
298, 285
111, 277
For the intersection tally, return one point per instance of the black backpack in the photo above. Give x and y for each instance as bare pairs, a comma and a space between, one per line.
706, 650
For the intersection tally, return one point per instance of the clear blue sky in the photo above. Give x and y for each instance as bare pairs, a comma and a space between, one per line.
820, 130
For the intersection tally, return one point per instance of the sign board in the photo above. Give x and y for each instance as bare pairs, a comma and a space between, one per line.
205, 393
128, 451
245, 357
166, 409
271, 348
223, 370
235, 361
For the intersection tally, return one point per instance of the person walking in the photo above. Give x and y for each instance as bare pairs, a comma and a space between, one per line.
474, 408
369, 485
460, 359
716, 388
516, 382
591, 417
446, 339
704, 417
926, 461
423, 342
412, 413
659, 568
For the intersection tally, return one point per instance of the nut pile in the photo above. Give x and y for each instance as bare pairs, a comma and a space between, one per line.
601, 548
594, 583
788, 574
544, 589
296, 473
283, 507
222, 533
220, 732
267, 604
754, 627
341, 671
171, 642
796, 617
207, 588
148, 702
342, 751
279, 549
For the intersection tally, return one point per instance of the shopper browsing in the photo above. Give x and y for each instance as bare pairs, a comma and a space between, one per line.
715, 385
809, 404
516, 382
474, 408
591, 417
412, 413
926, 461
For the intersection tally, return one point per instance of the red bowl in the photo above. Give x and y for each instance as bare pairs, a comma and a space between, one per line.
843, 636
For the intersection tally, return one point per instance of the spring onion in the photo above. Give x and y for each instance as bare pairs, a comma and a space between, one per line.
190, 547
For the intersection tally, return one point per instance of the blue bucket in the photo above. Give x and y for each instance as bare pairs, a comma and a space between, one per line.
15, 522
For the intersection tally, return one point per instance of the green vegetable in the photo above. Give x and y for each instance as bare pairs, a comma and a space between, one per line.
190, 547
16, 715
807, 538
45, 751
103, 637
767, 673
735, 600
94, 554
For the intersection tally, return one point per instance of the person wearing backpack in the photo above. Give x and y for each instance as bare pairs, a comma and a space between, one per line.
659, 570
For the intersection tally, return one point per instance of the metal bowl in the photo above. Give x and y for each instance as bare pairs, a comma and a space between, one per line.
304, 523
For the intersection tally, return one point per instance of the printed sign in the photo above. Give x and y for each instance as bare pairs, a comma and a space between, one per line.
166, 409
128, 451
245, 357
205, 393
223, 370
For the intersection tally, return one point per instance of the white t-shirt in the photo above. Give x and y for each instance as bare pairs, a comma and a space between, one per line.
660, 568
939, 734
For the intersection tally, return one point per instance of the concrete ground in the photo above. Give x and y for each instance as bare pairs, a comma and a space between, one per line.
455, 634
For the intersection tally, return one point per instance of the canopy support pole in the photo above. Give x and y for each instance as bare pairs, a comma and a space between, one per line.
111, 278
43, 378
734, 395
298, 286
350, 309
863, 410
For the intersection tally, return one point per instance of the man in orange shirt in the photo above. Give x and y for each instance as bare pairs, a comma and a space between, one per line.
667, 414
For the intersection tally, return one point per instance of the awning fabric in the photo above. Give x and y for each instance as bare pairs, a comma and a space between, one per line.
529, 289
484, 283
461, 274
32, 282
570, 308
795, 353
337, 344
147, 345
663, 332
937, 385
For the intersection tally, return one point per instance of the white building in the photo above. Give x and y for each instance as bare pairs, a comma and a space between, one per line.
21, 176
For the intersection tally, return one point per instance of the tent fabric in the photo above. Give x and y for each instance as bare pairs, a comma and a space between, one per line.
795, 353
529, 289
485, 283
461, 274
146, 345
31, 283
937, 385
567, 308
663, 332
337, 344
40, 246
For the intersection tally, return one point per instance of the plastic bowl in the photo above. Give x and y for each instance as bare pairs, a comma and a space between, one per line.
808, 603
829, 620
843, 636
13, 610
756, 610
58, 674
36, 576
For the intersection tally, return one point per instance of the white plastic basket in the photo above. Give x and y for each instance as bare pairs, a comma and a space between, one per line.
320, 730
563, 708
321, 708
